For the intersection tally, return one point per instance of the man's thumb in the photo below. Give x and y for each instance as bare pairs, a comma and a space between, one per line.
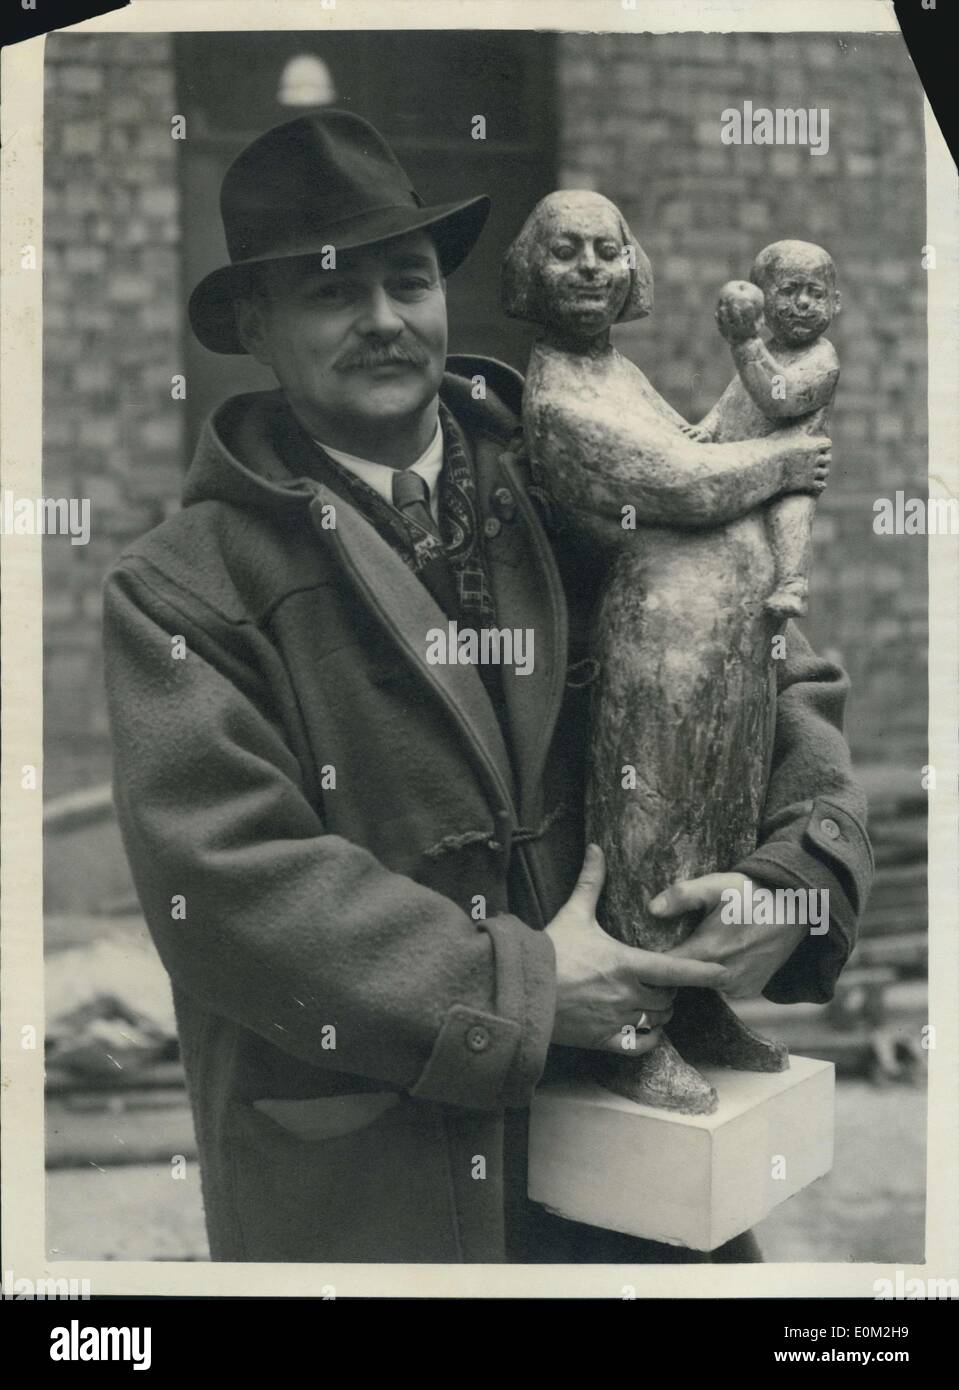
592, 876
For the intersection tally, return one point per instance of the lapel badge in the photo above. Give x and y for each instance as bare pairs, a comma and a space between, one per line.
504, 504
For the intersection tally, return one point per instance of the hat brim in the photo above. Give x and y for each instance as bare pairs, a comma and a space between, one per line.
454, 227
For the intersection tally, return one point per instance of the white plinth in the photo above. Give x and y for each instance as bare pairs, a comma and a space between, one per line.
691, 1180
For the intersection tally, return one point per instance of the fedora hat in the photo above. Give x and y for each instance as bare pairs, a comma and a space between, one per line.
328, 179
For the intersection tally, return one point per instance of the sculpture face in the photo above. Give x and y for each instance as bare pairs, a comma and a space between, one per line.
583, 272
798, 282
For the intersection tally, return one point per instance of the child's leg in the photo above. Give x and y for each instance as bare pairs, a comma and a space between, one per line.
789, 523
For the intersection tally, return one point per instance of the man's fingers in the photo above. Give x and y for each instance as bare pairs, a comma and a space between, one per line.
648, 1019
649, 998
674, 972
592, 875
689, 894
631, 1045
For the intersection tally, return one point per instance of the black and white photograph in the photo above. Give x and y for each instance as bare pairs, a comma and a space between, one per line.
485, 518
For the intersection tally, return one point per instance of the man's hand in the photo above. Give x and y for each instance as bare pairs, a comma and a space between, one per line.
604, 986
749, 953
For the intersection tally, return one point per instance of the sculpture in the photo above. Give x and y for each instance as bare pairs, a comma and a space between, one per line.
685, 695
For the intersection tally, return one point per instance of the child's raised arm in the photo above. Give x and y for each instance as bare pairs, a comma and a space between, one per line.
783, 390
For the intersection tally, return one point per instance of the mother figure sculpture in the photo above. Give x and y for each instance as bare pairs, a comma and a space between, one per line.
683, 705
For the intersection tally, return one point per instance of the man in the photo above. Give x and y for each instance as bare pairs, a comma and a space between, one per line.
360, 866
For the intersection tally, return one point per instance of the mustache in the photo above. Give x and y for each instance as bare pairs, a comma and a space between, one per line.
381, 356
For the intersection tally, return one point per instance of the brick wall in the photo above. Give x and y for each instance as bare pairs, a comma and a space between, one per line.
112, 324
640, 123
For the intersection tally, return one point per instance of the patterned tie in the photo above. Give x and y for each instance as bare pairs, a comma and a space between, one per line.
411, 496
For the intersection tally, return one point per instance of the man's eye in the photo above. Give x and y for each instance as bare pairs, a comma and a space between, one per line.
564, 253
328, 293
411, 287
609, 250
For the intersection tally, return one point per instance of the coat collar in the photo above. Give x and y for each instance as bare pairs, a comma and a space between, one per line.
390, 590
236, 463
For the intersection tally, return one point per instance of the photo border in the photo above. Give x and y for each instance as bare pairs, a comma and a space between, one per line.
21, 930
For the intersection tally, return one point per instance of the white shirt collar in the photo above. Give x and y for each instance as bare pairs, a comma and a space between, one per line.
379, 476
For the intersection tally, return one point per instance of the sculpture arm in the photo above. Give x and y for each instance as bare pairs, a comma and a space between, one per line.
596, 464
711, 421
709, 424
658, 402
813, 833
784, 391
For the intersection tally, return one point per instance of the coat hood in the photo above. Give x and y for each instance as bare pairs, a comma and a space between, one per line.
237, 458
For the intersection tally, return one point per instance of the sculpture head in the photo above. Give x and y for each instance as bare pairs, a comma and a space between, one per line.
575, 267
798, 281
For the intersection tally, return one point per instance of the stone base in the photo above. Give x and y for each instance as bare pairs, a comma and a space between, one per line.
690, 1180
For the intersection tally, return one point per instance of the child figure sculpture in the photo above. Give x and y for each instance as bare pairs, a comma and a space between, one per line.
685, 691
791, 378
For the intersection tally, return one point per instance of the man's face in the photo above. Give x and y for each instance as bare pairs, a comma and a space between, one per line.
583, 273
357, 346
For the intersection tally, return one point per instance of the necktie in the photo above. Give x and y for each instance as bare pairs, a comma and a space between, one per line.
411, 495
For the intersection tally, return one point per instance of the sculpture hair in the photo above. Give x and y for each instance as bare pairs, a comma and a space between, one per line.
791, 252
521, 282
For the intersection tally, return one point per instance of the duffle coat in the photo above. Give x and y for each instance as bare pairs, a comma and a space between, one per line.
347, 875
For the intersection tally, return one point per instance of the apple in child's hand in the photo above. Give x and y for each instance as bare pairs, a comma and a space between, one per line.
740, 311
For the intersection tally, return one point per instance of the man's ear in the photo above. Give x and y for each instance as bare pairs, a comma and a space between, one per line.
248, 314
837, 302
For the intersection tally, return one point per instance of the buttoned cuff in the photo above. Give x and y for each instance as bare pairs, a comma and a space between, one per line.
490, 1061
832, 854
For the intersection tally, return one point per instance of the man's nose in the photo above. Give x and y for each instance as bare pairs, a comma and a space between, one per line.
378, 315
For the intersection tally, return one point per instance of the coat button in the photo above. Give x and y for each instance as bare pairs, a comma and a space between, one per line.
504, 504
830, 829
477, 1039
491, 527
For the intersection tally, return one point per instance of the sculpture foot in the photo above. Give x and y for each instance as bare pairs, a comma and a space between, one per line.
788, 601
706, 1029
659, 1078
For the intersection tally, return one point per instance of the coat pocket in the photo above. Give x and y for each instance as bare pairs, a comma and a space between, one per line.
327, 1117
368, 1181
